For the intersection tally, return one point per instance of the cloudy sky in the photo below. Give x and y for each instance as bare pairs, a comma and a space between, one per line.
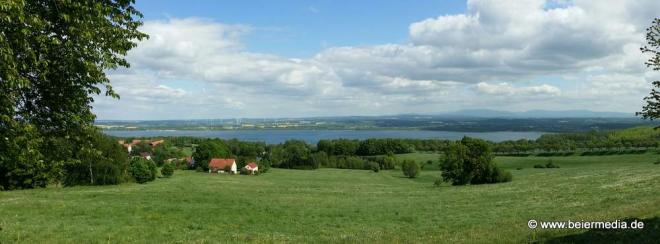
228, 59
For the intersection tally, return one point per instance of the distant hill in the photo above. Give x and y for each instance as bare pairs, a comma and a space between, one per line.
487, 113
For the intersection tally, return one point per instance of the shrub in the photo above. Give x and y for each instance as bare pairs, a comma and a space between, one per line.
199, 169
519, 168
167, 170
141, 170
264, 166
410, 168
657, 162
106, 174
500, 175
227, 169
550, 164
470, 161
438, 182
539, 166
153, 169
374, 166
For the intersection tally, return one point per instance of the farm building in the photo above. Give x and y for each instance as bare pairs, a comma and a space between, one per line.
219, 165
252, 167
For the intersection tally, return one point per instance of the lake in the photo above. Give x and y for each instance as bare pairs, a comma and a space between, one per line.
313, 136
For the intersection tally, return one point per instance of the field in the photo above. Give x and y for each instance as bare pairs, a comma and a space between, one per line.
332, 205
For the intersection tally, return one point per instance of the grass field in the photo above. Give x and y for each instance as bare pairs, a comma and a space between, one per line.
331, 205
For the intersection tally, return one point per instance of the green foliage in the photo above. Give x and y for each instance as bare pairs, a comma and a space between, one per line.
292, 154
338, 147
652, 108
469, 161
551, 164
264, 166
53, 58
167, 170
438, 182
410, 168
321, 158
208, 149
165, 151
383, 146
106, 173
96, 160
291, 200
21, 163
143, 170
141, 147
374, 166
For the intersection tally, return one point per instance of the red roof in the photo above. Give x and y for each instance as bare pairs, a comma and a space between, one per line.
221, 163
155, 143
251, 165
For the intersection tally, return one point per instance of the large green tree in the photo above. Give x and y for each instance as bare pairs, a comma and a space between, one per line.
652, 108
470, 161
53, 59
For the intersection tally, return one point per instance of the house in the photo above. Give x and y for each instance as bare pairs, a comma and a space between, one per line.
155, 143
129, 145
252, 167
219, 165
146, 155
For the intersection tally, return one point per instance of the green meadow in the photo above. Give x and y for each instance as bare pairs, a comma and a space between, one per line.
334, 205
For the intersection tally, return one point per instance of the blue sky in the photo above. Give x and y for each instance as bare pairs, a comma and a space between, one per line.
227, 59
303, 28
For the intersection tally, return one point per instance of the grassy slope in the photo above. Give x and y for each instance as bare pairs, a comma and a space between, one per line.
330, 205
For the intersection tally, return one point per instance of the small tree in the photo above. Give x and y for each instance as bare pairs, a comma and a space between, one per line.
140, 169
410, 168
227, 169
167, 170
470, 161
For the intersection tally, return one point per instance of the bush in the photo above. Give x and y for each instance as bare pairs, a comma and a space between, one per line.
550, 164
657, 162
410, 168
264, 166
374, 166
142, 170
167, 170
199, 169
539, 166
500, 175
470, 161
438, 182
106, 174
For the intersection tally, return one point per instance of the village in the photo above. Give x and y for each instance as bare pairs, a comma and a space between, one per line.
136, 149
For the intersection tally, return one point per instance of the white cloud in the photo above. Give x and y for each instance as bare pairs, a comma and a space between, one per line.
508, 89
451, 62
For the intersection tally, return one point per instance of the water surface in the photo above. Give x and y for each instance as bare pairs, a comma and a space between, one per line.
313, 136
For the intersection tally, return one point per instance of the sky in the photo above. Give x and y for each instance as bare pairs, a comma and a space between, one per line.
210, 59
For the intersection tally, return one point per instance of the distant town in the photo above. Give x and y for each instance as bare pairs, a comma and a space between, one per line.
478, 122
